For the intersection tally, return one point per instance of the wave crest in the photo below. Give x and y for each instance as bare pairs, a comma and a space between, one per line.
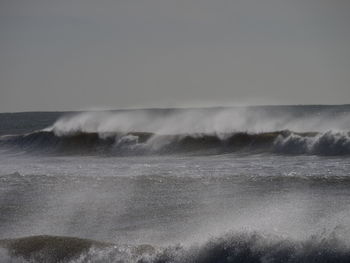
328, 143
133, 143
234, 247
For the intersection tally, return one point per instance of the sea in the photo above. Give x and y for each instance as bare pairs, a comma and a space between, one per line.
197, 185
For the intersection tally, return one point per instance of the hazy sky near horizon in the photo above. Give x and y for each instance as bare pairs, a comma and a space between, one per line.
82, 54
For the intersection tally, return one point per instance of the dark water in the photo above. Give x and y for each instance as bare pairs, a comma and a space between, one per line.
260, 184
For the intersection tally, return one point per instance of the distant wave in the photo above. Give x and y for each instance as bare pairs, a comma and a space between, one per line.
239, 247
138, 143
278, 130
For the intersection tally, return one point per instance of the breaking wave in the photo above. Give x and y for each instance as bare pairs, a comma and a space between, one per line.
233, 247
201, 131
137, 143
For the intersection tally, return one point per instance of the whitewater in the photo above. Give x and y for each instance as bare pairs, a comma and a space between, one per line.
238, 184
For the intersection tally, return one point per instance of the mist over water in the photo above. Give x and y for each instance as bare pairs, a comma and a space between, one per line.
268, 184
209, 121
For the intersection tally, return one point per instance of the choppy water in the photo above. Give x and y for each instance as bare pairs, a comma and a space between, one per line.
268, 184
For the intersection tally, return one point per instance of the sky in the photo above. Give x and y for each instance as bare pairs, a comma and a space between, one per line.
84, 54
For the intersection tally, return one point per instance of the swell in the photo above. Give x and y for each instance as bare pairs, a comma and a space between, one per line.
233, 247
137, 143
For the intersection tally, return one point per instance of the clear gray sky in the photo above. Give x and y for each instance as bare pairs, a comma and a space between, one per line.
78, 54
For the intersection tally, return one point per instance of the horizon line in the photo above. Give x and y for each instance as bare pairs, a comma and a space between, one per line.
176, 108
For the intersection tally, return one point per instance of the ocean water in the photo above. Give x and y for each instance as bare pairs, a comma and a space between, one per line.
242, 184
